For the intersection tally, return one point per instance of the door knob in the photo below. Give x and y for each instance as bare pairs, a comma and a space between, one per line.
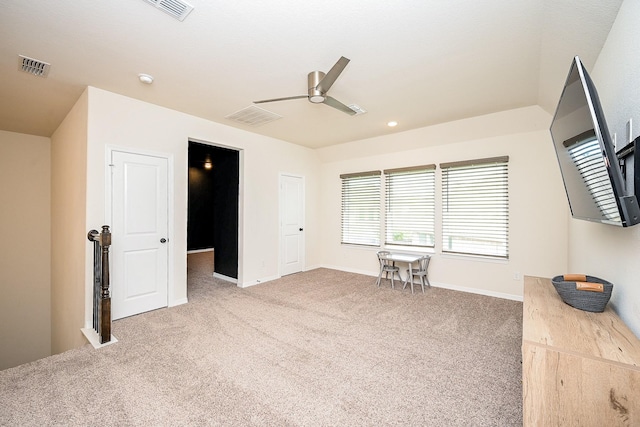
163, 240
301, 229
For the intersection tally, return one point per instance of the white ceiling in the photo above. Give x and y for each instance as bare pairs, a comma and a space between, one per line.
419, 62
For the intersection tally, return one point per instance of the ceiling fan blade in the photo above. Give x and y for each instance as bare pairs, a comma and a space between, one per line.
332, 102
331, 76
281, 99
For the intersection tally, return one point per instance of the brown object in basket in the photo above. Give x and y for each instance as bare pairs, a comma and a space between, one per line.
588, 286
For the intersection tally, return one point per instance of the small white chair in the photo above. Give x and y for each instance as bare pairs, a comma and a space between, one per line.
387, 267
421, 272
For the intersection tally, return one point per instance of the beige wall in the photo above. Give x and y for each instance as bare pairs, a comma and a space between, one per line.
538, 208
25, 252
118, 121
607, 251
539, 214
68, 228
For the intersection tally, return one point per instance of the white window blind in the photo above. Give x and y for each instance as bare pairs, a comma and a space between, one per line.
361, 208
475, 207
410, 206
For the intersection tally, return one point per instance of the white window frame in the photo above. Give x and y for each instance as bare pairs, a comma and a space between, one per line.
409, 207
360, 208
475, 207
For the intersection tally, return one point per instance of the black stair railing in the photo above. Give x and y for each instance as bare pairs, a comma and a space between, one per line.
101, 295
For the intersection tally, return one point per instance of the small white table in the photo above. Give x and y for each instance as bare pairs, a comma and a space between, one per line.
405, 258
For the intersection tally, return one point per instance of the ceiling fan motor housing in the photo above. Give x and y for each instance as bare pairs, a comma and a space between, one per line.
319, 84
314, 79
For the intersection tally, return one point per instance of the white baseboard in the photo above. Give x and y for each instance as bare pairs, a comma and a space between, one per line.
351, 270
196, 251
225, 278
438, 285
258, 281
179, 302
93, 338
477, 291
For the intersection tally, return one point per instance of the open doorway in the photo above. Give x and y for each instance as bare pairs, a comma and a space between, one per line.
212, 221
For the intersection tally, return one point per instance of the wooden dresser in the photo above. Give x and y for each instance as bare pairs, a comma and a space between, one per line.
578, 368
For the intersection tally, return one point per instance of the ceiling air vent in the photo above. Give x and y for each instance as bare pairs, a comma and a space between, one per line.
177, 9
253, 116
34, 66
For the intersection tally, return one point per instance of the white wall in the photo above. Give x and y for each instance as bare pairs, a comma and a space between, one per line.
25, 248
116, 120
68, 232
538, 207
607, 251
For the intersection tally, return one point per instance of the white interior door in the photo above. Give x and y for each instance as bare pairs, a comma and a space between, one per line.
139, 233
291, 224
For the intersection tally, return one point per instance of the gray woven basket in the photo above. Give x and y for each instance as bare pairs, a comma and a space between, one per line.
586, 300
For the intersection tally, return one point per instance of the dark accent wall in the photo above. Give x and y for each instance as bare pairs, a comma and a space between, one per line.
213, 205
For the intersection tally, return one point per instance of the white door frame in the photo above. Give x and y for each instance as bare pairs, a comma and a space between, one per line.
108, 214
240, 279
303, 259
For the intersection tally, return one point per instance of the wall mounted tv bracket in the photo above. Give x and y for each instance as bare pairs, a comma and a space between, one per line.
629, 161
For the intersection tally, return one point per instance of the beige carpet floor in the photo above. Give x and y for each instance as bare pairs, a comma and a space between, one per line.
320, 348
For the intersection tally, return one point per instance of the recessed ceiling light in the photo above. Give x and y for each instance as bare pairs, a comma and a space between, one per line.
392, 123
145, 78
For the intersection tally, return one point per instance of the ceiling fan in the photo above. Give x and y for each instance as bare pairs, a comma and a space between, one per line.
319, 85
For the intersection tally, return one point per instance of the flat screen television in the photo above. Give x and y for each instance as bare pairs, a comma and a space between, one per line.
590, 170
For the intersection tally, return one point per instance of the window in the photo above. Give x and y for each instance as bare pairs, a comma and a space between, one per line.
475, 207
361, 208
410, 206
